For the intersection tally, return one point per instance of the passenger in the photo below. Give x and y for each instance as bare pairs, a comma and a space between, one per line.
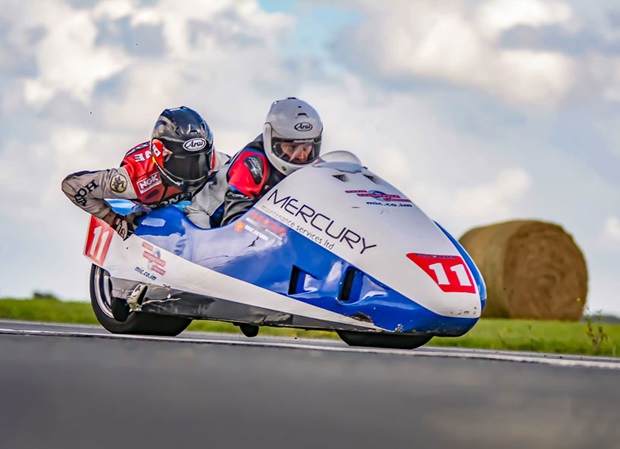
290, 140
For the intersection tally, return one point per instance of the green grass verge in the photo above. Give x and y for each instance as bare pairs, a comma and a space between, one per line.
47, 310
593, 338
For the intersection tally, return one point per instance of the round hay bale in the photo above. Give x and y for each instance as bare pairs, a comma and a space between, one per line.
531, 269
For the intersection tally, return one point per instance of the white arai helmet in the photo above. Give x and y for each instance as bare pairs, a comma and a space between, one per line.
291, 123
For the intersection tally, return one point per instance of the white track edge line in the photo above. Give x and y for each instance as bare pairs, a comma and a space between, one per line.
427, 353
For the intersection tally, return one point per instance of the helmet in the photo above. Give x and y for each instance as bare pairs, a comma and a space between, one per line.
292, 134
182, 146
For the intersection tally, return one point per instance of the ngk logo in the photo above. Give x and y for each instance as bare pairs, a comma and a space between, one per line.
147, 184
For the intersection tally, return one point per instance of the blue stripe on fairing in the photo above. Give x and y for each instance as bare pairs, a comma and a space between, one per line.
482, 289
244, 253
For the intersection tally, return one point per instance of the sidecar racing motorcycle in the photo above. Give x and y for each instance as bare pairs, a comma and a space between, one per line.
331, 247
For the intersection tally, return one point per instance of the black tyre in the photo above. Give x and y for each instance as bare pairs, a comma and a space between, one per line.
249, 330
137, 322
376, 340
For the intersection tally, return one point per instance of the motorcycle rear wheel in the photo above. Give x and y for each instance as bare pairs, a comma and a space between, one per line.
137, 322
385, 340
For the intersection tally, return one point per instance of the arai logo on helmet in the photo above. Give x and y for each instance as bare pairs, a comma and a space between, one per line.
195, 144
303, 126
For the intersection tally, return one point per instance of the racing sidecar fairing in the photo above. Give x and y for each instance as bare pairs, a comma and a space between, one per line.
333, 246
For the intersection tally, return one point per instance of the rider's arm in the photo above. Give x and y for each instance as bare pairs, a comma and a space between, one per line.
87, 190
207, 205
246, 179
235, 205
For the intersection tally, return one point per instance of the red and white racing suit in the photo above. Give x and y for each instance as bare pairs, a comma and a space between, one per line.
138, 179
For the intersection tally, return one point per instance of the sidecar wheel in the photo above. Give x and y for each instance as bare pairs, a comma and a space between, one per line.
249, 330
376, 340
136, 322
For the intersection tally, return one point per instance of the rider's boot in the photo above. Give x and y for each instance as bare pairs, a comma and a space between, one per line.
137, 296
125, 300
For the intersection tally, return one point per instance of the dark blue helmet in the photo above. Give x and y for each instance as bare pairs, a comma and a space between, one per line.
185, 145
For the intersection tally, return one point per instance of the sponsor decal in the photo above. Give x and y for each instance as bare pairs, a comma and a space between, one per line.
143, 155
243, 226
449, 272
80, 195
266, 224
303, 127
144, 185
146, 274
378, 198
317, 226
195, 144
153, 256
118, 183
261, 226
175, 199
254, 164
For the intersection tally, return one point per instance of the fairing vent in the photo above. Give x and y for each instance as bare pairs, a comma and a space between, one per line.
302, 282
351, 285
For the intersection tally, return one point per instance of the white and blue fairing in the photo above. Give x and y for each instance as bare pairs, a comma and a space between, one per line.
334, 237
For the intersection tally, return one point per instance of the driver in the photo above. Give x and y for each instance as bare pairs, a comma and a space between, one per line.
290, 140
172, 167
176, 163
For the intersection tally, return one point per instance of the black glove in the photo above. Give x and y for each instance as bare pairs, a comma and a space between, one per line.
126, 225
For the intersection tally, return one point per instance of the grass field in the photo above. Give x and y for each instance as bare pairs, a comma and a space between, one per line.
591, 337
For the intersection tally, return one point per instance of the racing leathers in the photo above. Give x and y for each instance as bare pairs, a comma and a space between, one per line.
250, 175
139, 180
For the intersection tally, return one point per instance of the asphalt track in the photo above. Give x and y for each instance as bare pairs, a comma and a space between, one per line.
80, 387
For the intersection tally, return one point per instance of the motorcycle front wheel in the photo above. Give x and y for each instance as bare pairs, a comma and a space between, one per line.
137, 322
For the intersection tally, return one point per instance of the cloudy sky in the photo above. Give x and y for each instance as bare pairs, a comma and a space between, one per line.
480, 111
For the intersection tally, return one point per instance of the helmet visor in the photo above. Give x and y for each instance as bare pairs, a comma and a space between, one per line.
188, 169
298, 152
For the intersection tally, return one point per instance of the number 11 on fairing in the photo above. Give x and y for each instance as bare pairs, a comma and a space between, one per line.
98, 240
442, 277
94, 246
448, 272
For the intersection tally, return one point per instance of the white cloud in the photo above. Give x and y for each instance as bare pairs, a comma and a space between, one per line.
612, 227
67, 57
494, 201
610, 236
496, 16
114, 9
447, 41
396, 165
70, 59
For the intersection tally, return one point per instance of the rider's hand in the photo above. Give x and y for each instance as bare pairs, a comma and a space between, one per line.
123, 225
